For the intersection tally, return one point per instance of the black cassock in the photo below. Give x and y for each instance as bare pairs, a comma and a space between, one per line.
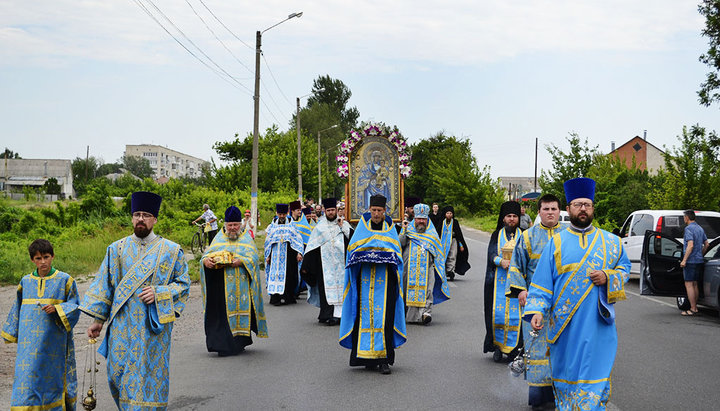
312, 273
291, 280
218, 336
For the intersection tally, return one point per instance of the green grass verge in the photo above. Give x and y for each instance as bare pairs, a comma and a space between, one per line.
486, 223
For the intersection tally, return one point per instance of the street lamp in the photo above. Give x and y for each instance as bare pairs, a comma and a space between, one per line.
256, 119
319, 172
297, 126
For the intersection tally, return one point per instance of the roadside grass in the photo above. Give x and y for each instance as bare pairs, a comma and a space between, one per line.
486, 223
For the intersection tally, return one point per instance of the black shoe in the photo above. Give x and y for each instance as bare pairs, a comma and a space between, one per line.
426, 319
497, 355
371, 367
333, 321
385, 369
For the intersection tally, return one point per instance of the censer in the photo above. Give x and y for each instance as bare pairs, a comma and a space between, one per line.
517, 366
89, 401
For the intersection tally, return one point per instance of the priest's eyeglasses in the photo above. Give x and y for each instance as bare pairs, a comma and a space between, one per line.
579, 205
139, 215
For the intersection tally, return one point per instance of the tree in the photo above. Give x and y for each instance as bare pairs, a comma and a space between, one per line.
710, 90
690, 178
139, 166
336, 95
83, 171
10, 154
51, 186
575, 163
108, 168
619, 189
445, 171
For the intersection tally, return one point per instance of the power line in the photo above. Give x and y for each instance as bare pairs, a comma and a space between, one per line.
275, 80
218, 38
226, 28
230, 76
204, 63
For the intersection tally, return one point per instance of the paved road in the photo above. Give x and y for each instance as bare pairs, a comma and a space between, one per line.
665, 361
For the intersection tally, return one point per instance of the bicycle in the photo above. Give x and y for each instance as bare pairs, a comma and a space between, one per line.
197, 244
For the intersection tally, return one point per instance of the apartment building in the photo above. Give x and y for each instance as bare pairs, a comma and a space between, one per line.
166, 162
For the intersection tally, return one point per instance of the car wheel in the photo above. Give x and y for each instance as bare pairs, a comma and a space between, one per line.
683, 303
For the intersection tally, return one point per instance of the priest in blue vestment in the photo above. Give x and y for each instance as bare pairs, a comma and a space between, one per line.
232, 297
502, 314
522, 268
323, 264
580, 275
41, 321
139, 291
283, 254
373, 314
424, 261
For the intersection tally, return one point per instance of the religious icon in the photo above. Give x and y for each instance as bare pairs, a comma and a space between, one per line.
373, 170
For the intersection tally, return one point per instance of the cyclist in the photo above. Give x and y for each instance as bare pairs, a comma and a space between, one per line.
209, 218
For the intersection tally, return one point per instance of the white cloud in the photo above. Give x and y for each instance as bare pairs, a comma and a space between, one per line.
366, 34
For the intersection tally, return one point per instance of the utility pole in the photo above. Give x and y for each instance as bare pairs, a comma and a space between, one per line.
536, 147
319, 172
297, 126
256, 125
87, 160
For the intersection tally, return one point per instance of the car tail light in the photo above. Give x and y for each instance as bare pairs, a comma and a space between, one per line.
658, 228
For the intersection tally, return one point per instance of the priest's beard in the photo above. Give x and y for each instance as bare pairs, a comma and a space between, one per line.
141, 230
281, 220
330, 219
420, 228
232, 235
581, 220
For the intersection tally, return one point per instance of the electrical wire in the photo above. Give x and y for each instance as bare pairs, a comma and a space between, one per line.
222, 70
275, 80
226, 28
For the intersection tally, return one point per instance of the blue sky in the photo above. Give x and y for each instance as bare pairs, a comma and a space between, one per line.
501, 73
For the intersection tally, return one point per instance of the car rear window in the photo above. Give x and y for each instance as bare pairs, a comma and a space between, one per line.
710, 224
673, 226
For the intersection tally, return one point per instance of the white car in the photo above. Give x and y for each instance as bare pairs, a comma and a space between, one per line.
667, 222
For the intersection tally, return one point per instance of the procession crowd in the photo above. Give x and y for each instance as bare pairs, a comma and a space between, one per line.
548, 300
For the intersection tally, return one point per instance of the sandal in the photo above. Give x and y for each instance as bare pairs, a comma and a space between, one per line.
689, 313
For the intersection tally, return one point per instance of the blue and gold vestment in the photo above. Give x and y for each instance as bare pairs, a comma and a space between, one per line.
374, 266
137, 337
278, 238
522, 268
45, 376
505, 311
421, 247
241, 285
580, 316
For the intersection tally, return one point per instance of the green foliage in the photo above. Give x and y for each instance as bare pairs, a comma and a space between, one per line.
139, 166
97, 203
31, 193
690, 178
336, 95
51, 186
108, 168
83, 171
710, 89
619, 190
573, 164
9, 154
445, 171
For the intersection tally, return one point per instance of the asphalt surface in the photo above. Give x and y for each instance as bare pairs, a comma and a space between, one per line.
665, 361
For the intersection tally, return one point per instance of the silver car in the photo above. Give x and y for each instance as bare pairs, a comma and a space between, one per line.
663, 276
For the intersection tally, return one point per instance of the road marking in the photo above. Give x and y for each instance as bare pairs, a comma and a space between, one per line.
651, 299
452, 284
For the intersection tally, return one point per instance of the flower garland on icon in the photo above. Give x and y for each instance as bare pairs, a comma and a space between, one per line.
397, 139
